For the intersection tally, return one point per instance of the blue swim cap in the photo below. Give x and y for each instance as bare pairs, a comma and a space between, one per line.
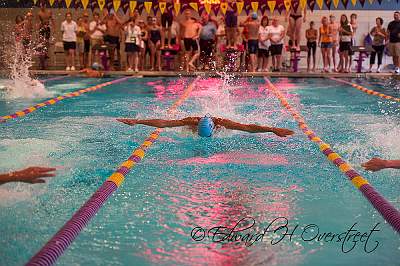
96, 66
254, 15
206, 126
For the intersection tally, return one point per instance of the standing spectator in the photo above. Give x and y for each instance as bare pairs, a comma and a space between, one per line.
378, 44
325, 41
221, 41
80, 42
46, 22
334, 29
143, 43
253, 27
113, 31
354, 26
86, 39
231, 26
166, 23
207, 41
345, 34
154, 32
263, 45
28, 31
296, 18
311, 36
190, 32
394, 40
132, 44
96, 29
276, 35
68, 30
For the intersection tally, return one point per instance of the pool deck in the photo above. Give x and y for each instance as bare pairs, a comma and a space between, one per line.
215, 73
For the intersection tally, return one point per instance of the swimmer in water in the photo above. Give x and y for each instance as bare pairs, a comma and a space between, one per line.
32, 175
94, 72
205, 126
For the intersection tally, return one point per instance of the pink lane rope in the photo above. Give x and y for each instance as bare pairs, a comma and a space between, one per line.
56, 246
384, 207
57, 99
367, 91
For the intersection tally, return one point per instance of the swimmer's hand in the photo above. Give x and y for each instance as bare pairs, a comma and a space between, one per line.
130, 122
375, 164
32, 175
282, 132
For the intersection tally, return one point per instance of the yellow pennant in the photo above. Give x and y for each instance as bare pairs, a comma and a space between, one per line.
162, 5
147, 6
271, 5
303, 4
354, 2
85, 3
51, 2
335, 3
177, 8
320, 3
34, 2
194, 6
116, 4
239, 6
132, 5
68, 3
224, 7
101, 3
207, 6
254, 6
288, 4
371, 1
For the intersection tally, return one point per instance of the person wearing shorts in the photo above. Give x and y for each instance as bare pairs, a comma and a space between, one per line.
276, 35
263, 45
133, 40
207, 41
394, 41
378, 44
325, 41
345, 35
166, 23
311, 36
231, 27
69, 29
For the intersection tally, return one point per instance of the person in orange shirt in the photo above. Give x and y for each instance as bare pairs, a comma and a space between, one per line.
325, 42
334, 29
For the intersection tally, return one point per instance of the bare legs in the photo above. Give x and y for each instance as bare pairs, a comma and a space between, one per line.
155, 55
326, 58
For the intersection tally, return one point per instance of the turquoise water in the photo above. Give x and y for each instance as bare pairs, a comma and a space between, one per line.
184, 181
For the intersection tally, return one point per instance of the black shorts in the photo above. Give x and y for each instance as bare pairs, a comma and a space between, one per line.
252, 46
263, 52
112, 40
131, 47
86, 45
166, 18
190, 45
206, 47
312, 48
69, 46
345, 46
275, 49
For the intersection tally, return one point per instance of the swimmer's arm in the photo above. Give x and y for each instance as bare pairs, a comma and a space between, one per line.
376, 164
30, 175
161, 123
252, 128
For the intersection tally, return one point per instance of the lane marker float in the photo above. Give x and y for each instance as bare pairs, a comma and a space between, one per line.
366, 90
56, 246
57, 99
388, 212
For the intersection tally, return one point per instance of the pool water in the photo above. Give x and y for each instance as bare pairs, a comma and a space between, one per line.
185, 181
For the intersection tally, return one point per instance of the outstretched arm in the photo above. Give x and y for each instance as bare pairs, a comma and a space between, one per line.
30, 175
252, 128
376, 164
161, 123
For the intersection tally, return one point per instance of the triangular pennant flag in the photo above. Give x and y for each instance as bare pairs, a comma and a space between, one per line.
147, 6
207, 6
254, 6
239, 7
328, 4
335, 3
34, 2
271, 5
216, 9
345, 2
311, 4
132, 5
116, 4
194, 6
371, 2
68, 3
140, 7
51, 2
303, 4
295, 5
288, 4
177, 8
354, 2
77, 4
263, 8
362, 2
155, 8
224, 7
101, 4
247, 9
93, 5
85, 3
320, 3
380, 1
162, 5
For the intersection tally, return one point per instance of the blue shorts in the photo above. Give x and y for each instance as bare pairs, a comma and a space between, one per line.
326, 45
252, 46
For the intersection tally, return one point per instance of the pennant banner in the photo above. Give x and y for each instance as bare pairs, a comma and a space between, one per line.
254, 6
320, 3
345, 2
224, 7
354, 2
328, 4
263, 8
155, 8
371, 2
34, 2
207, 6
288, 4
132, 5
335, 3
216, 9
101, 4
295, 5
271, 5
362, 2
68, 3
162, 5
195, 6
239, 7
311, 4
85, 3
177, 8
116, 4
147, 6
303, 4
51, 2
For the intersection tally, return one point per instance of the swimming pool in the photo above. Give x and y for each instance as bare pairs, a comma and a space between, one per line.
185, 181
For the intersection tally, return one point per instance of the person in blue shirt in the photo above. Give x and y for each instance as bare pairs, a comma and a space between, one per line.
208, 35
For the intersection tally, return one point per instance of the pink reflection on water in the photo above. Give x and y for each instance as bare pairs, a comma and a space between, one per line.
168, 90
238, 158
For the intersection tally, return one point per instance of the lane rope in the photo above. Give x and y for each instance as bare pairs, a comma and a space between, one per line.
384, 207
35, 107
366, 90
56, 246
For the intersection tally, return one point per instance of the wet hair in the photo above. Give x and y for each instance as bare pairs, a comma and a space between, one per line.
263, 19
380, 20
18, 19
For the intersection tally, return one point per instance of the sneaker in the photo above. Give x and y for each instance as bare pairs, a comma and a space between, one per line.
136, 70
129, 70
378, 70
68, 68
397, 70
72, 68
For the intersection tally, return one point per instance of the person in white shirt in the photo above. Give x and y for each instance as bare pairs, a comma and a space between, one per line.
133, 39
263, 45
96, 31
276, 34
69, 29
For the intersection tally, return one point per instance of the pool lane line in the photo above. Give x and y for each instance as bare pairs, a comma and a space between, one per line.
56, 246
388, 212
35, 107
366, 90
